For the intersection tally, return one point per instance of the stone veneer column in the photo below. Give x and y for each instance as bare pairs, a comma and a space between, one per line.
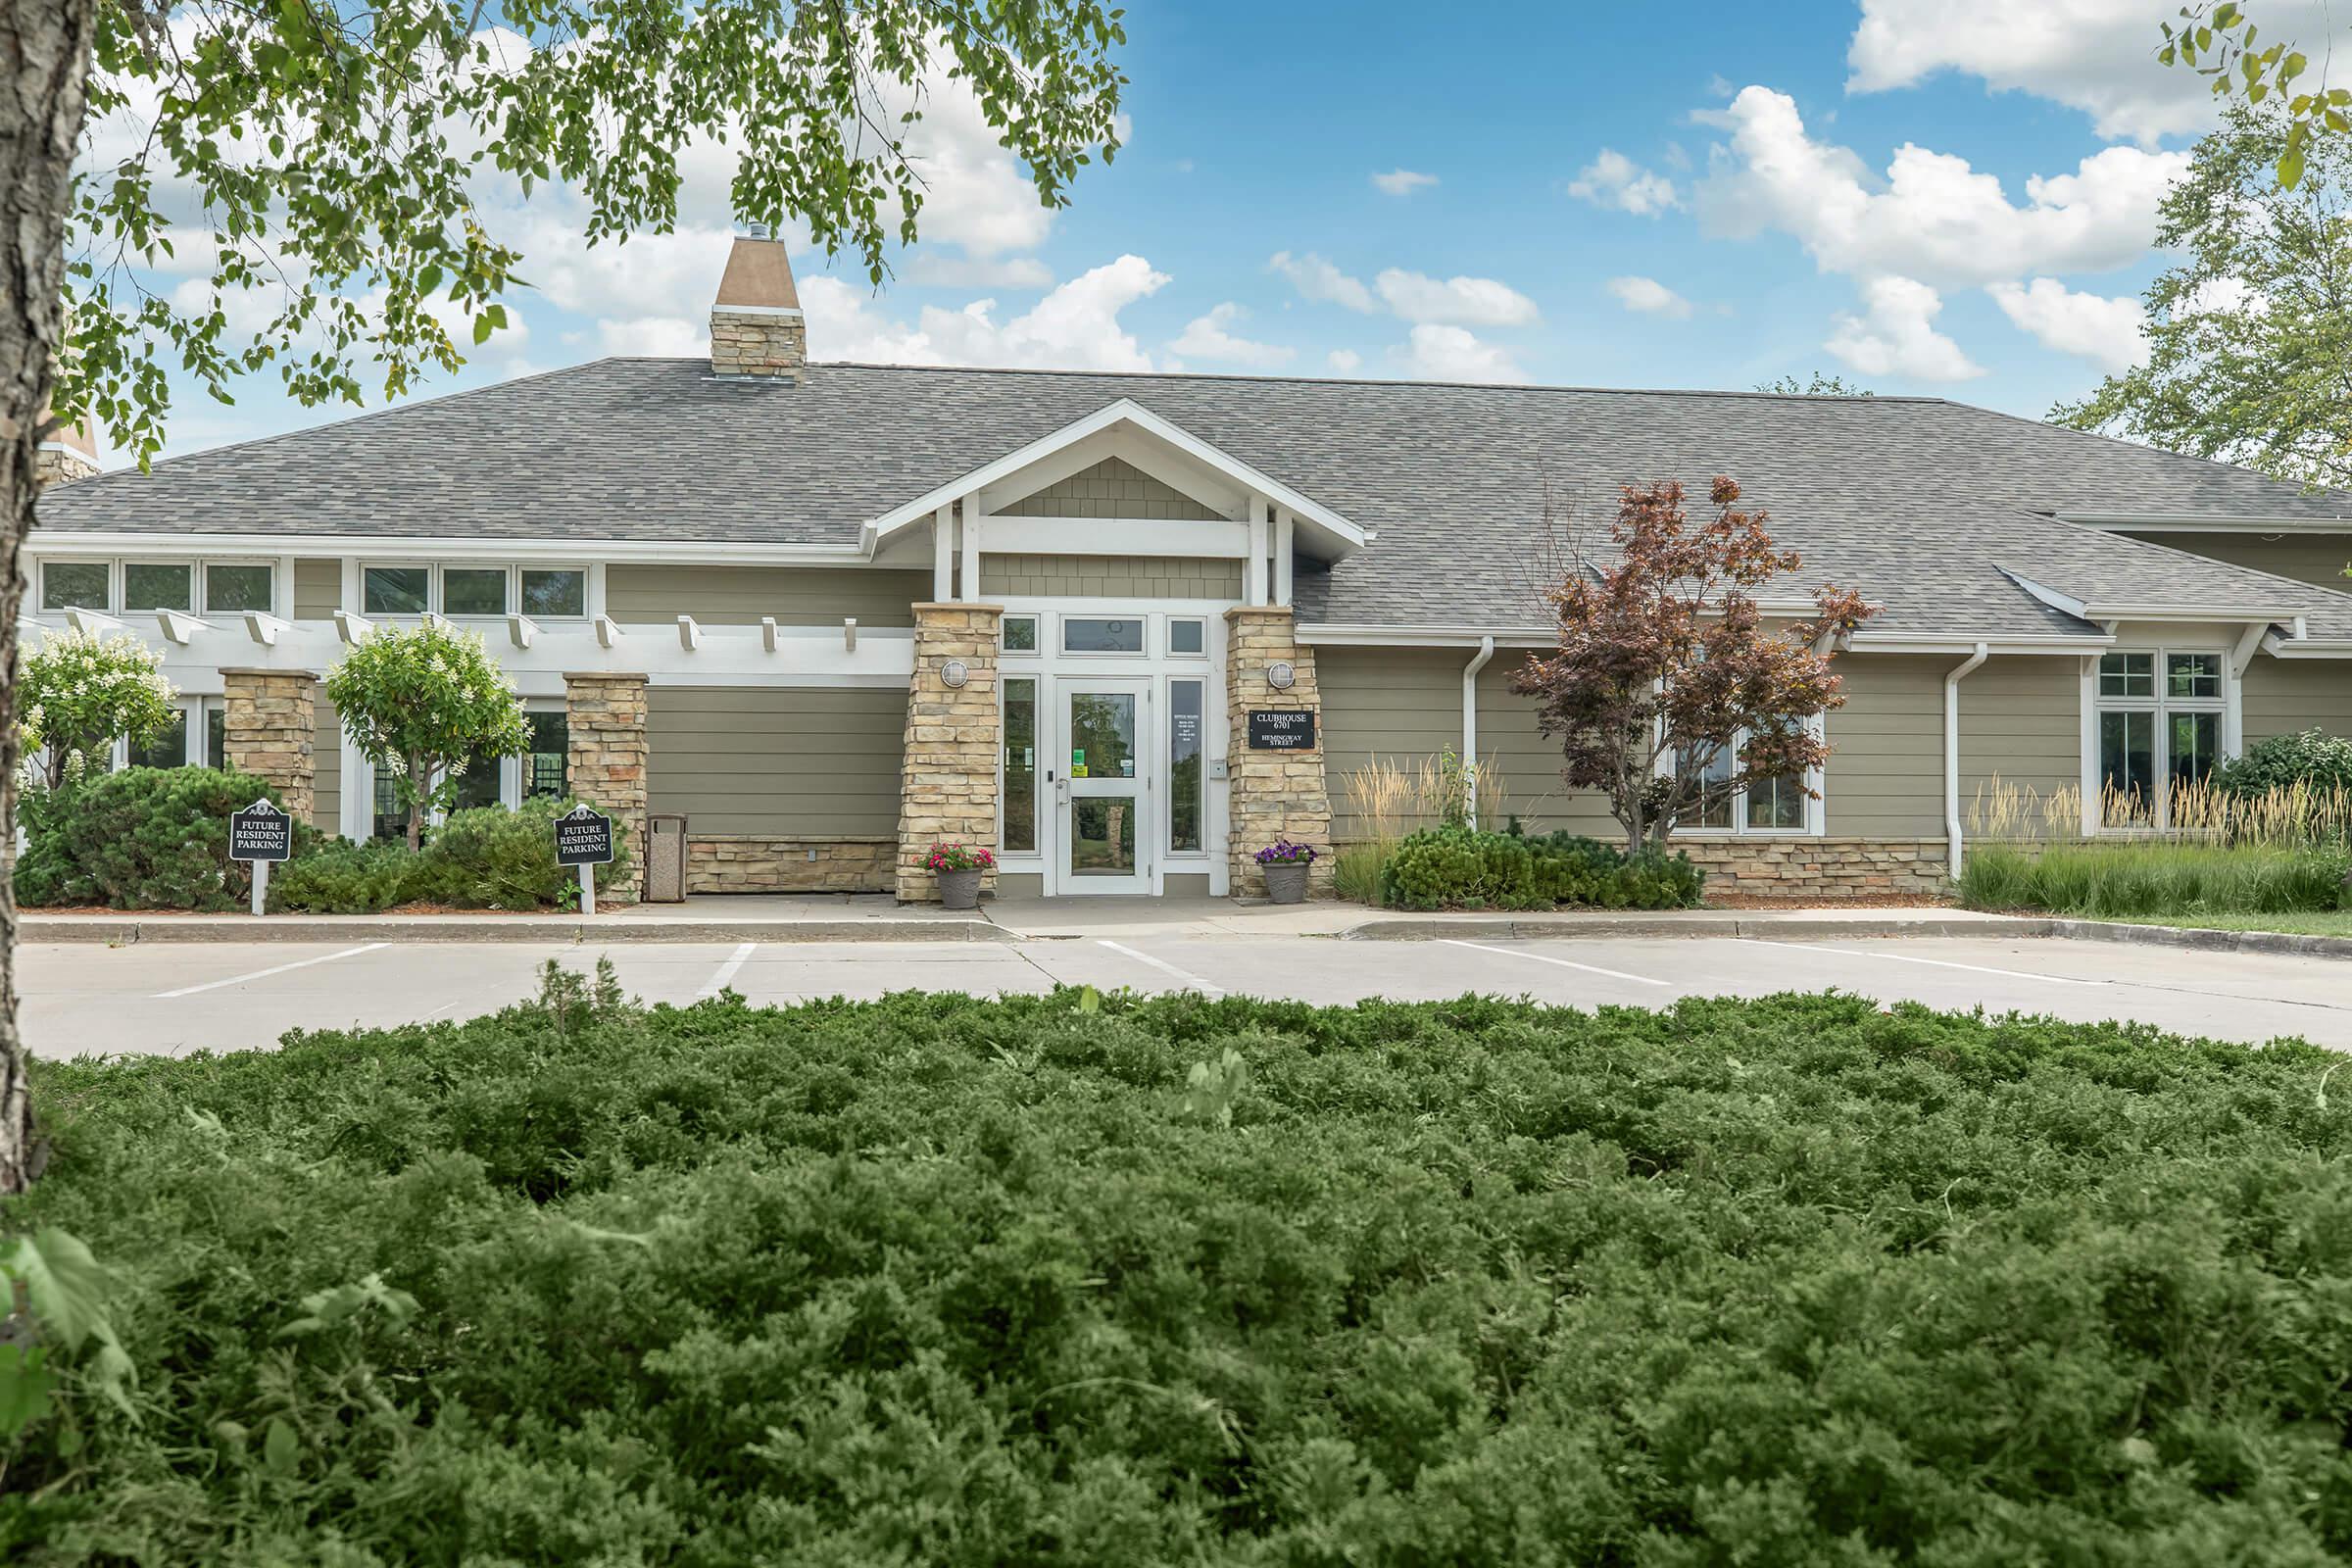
1271, 795
604, 760
269, 728
947, 778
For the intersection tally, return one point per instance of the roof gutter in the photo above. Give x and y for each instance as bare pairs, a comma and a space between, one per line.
2217, 522
1951, 756
396, 547
1478, 661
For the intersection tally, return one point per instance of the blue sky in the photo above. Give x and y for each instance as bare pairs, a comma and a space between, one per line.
1917, 195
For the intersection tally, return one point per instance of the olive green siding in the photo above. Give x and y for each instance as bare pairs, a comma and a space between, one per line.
1015, 576
1396, 706
740, 596
776, 760
1885, 777
1509, 742
2285, 695
2020, 721
1402, 707
317, 589
1111, 488
326, 768
2316, 559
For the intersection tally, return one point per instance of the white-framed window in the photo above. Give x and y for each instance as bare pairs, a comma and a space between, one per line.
2159, 724
1017, 795
196, 737
1104, 634
1765, 807
76, 585
1019, 634
1188, 637
159, 585
464, 591
232, 587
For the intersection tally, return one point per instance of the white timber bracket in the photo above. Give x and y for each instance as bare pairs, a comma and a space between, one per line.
177, 625
690, 633
351, 626
521, 629
767, 633
264, 628
608, 631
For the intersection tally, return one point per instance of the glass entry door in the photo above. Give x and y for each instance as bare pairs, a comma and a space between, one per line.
1104, 799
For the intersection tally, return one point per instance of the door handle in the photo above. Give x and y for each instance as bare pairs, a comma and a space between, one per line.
1061, 791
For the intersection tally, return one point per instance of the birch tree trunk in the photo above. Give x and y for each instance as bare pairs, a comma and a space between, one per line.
44, 76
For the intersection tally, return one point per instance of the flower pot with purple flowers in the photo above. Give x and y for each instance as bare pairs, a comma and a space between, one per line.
959, 868
1285, 866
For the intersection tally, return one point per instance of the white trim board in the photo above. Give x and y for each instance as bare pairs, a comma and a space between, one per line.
1344, 535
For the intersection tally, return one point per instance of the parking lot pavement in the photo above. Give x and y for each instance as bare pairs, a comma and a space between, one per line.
83, 998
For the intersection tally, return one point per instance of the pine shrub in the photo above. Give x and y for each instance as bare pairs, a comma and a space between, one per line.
1092, 1279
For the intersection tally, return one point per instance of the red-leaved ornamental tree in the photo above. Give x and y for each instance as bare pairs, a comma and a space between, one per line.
1665, 663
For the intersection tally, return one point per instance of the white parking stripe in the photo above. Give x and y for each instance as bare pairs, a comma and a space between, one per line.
1905, 958
264, 974
1540, 957
1208, 986
727, 971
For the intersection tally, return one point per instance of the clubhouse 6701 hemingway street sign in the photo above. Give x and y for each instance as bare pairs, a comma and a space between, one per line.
1282, 729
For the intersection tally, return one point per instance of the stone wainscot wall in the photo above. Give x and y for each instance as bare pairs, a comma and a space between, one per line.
1272, 794
1818, 868
739, 863
948, 783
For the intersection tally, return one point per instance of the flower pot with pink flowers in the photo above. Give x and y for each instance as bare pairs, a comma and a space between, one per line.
959, 868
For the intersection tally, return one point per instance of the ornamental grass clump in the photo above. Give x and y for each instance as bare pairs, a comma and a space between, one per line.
1094, 1279
2157, 879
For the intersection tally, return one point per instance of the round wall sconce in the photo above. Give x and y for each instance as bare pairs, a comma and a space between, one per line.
1279, 675
955, 672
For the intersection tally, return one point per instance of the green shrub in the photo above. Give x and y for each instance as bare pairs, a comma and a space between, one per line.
1785, 1280
2117, 881
2311, 758
145, 838
488, 857
1464, 869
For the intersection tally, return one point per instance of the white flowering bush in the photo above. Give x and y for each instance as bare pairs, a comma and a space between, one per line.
419, 702
81, 693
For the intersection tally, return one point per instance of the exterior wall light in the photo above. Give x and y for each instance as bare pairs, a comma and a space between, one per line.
1279, 675
955, 672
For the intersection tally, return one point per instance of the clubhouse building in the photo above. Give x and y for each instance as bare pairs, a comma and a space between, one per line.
1127, 628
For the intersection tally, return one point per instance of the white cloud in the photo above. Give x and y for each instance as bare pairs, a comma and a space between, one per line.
1613, 180
1075, 328
1317, 279
1440, 353
1650, 297
1402, 181
1210, 337
1461, 301
654, 337
2099, 55
2105, 332
1344, 362
1896, 334
1933, 217
935, 270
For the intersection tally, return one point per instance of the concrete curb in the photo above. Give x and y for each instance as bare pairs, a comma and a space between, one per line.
1723, 923
2204, 938
606, 932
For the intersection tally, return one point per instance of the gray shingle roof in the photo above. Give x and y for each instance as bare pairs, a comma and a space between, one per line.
1920, 502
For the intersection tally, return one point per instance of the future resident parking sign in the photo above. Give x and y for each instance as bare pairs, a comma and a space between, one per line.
260, 832
583, 838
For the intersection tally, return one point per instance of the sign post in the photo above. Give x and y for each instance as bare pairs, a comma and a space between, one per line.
260, 834
584, 838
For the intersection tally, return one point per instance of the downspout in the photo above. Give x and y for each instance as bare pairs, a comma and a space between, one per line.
1478, 661
1951, 756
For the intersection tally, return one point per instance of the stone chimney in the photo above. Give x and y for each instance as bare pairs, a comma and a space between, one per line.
756, 325
65, 455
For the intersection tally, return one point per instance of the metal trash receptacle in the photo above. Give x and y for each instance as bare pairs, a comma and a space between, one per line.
665, 860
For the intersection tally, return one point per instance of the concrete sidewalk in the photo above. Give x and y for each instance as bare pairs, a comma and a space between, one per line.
850, 918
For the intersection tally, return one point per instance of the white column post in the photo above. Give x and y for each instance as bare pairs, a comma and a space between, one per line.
1282, 556
943, 553
1254, 589
971, 549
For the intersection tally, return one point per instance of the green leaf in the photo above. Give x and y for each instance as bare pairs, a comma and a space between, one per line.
26, 1384
2290, 161
482, 328
63, 1282
280, 1449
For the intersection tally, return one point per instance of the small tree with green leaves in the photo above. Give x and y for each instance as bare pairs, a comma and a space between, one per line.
423, 702
81, 693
